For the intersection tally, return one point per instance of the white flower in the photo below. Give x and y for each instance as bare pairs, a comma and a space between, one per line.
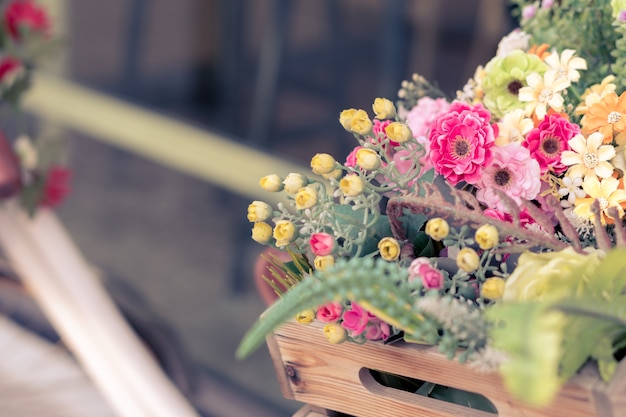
588, 157
27, 152
572, 188
517, 39
543, 92
567, 65
513, 127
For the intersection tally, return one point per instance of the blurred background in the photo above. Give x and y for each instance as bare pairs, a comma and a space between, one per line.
269, 75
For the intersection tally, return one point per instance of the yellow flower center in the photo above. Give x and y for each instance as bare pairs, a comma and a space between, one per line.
590, 160
604, 203
613, 117
545, 95
461, 147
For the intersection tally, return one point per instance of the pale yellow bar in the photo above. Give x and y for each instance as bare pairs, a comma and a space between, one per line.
194, 151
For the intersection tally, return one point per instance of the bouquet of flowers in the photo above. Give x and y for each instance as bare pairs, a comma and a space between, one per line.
490, 224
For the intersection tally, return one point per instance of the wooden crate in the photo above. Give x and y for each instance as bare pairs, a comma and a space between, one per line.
337, 377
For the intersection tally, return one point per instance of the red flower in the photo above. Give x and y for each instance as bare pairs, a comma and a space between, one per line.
24, 15
8, 65
56, 187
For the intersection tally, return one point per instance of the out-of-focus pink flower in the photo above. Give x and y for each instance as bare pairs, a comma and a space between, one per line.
431, 277
351, 158
329, 312
513, 172
23, 15
548, 140
9, 67
322, 244
497, 214
461, 141
377, 329
421, 117
529, 11
56, 187
355, 319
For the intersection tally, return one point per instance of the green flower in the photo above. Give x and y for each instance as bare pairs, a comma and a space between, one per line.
504, 76
617, 6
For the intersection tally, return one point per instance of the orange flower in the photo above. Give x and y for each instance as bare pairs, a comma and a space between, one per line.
540, 50
607, 116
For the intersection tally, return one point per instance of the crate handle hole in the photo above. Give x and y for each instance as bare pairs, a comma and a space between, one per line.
379, 382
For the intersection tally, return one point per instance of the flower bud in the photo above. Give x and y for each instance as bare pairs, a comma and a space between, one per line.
306, 198
335, 333
360, 123
345, 118
486, 236
321, 263
335, 174
398, 132
294, 181
284, 232
306, 316
467, 259
323, 163
351, 185
262, 233
271, 183
259, 211
492, 288
389, 249
437, 228
322, 244
384, 108
367, 159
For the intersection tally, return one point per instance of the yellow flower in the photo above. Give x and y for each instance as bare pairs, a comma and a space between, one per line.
398, 132
492, 288
335, 174
384, 108
486, 236
467, 259
543, 92
293, 182
345, 118
367, 159
259, 211
334, 333
608, 194
271, 183
513, 127
549, 275
262, 232
588, 157
284, 232
305, 198
321, 263
389, 249
351, 185
595, 93
437, 228
323, 163
306, 316
360, 123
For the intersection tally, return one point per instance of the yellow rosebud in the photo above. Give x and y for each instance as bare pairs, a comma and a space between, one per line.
259, 211
323, 163
486, 236
389, 249
262, 232
351, 185
437, 228
335, 174
492, 288
467, 259
345, 118
284, 232
306, 198
360, 123
367, 159
294, 181
321, 263
398, 132
384, 108
306, 316
334, 333
271, 183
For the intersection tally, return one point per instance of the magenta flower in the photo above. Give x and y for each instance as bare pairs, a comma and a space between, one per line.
548, 140
355, 319
498, 215
351, 158
460, 143
329, 312
431, 277
322, 244
24, 15
379, 130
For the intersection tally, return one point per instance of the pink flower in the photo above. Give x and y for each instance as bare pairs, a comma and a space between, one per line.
322, 244
355, 319
377, 329
329, 312
513, 172
499, 215
432, 278
421, 117
351, 158
24, 15
460, 143
548, 140
8, 67
56, 187
379, 130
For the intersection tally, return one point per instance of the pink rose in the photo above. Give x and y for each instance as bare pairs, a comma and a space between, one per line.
25, 15
355, 319
432, 278
460, 142
329, 312
322, 244
377, 330
351, 158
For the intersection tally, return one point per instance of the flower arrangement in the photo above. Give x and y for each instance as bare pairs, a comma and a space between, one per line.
490, 224
32, 168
